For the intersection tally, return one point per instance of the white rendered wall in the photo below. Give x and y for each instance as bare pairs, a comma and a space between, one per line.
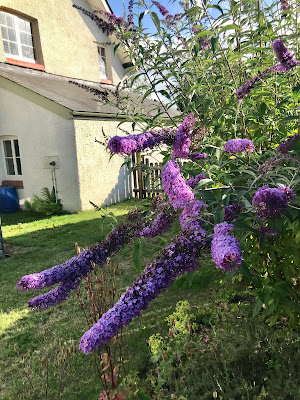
101, 180
43, 129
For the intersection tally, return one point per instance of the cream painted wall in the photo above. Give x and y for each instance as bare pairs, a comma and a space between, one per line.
43, 129
67, 38
101, 181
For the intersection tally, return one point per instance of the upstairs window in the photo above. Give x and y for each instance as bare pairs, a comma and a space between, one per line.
17, 37
102, 62
12, 157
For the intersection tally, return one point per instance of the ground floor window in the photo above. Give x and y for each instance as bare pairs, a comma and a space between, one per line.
12, 157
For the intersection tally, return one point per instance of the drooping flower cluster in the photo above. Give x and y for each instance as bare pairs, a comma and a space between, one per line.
137, 143
288, 144
234, 146
161, 8
287, 62
279, 158
197, 156
246, 88
161, 224
284, 56
55, 296
232, 211
178, 192
177, 258
183, 137
188, 219
192, 182
69, 274
284, 5
268, 232
225, 248
270, 202
106, 26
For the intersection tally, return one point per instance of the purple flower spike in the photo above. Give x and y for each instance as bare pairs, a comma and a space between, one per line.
161, 224
161, 8
177, 258
288, 144
192, 182
183, 137
268, 232
197, 156
143, 141
55, 296
271, 202
284, 56
234, 146
174, 185
232, 211
188, 218
69, 274
284, 5
225, 249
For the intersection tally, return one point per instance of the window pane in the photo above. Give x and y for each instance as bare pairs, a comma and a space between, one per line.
7, 148
4, 32
22, 25
19, 168
29, 40
2, 18
6, 46
12, 34
9, 20
17, 150
28, 26
23, 38
31, 53
10, 166
102, 67
25, 52
13, 48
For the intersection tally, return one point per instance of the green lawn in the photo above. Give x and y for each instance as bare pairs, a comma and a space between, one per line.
39, 356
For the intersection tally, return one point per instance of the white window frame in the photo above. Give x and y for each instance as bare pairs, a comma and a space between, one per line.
14, 157
18, 39
104, 59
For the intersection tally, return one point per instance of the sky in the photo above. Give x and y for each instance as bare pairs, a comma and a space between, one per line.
171, 6
117, 6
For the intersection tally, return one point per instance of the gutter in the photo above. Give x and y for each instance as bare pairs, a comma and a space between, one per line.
95, 115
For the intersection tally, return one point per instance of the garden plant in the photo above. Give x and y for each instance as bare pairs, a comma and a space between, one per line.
232, 70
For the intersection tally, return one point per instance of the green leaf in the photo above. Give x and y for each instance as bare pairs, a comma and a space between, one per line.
296, 92
116, 48
217, 7
230, 27
149, 91
213, 42
141, 16
203, 33
156, 20
257, 307
137, 255
291, 117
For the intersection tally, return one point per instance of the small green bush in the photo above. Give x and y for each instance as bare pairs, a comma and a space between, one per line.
46, 204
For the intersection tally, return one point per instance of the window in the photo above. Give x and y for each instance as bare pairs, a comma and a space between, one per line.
12, 157
17, 37
102, 62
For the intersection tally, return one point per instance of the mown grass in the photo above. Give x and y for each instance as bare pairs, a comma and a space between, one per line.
40, 357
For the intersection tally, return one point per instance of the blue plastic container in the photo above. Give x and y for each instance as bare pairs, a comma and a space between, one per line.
9, 201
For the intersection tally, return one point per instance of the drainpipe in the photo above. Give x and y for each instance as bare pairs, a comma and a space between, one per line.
2, 255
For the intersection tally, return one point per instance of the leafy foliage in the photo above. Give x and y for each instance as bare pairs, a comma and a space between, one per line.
47, 204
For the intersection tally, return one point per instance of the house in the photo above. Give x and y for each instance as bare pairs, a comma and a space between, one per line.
47, 125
